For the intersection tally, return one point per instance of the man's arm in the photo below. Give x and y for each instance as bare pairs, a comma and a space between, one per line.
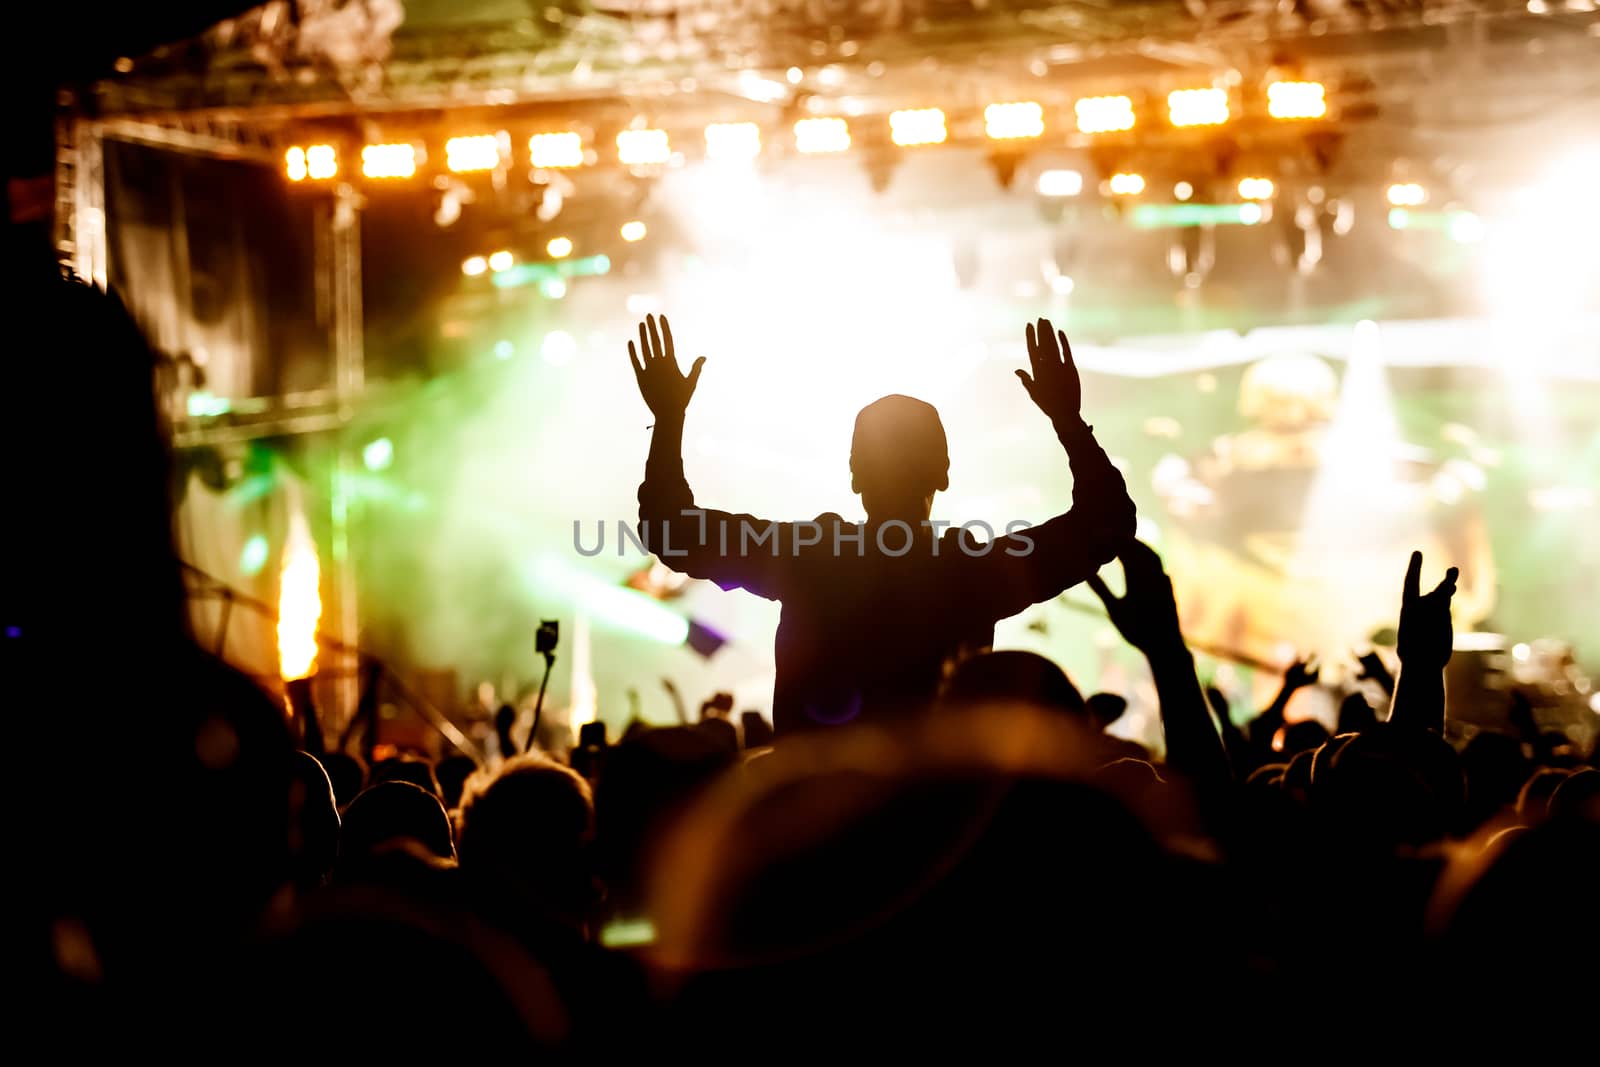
1038, 563
730, 549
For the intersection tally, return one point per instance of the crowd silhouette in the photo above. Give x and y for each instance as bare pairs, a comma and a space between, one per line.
941, 848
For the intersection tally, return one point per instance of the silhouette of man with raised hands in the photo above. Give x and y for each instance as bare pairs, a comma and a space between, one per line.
873, 612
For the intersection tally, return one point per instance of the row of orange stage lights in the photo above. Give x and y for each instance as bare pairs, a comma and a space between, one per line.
1017, 121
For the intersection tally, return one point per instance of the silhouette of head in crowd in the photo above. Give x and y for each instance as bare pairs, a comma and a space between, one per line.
899, 459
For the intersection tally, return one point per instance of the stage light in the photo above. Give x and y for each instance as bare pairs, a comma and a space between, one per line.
818, 136
322, 162
294, 164
1127, 184
1297, 100
1250, 214
253, 556
1198, 107
553, 288
378, 455
1407, 194
1182, 191
917, 126
504, 349
1008, 121
1104, 114
389, 160
299, 602
633, 231
638, 148
733, 140
1256, 188
465, 154
473, 266
1060, 183
794, 74
553, 151
559, 348
1062, 285
501, 260
559, 247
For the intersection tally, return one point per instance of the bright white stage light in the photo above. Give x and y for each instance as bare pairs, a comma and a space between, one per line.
1297, 100
818, 136
466, 154
553, 151
501, 260
389, 160
1104, 114
1060, 183
1256, 188
1182, 191
1127, 184
633, 230
1198, 107
294, 164
473, 266
917, 126
322, 161
1008, 121
637, 148
559, 247
1407, 194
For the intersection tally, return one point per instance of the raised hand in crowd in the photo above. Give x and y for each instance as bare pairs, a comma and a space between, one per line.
1300, 674
1147, 617
1054, 384
1373, 669
1233, 739
665, 389
1426, 638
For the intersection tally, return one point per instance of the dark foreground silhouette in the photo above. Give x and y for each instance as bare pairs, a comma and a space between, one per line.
965, 869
